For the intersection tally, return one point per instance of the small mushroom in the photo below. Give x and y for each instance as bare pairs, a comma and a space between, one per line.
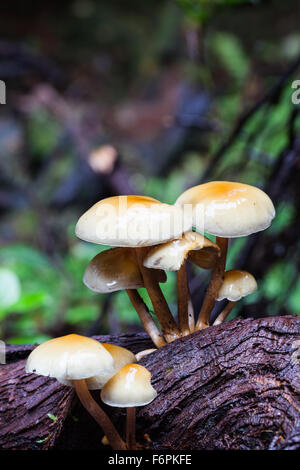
144, 353
128, 388
118, 269
75, 359
172, 256
137, 222
236, 284
121, 357
227, 210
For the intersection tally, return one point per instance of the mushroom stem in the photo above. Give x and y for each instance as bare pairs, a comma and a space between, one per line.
144, 353
161, 308
130, 428
114, 439
191, 315
224, 314
185, 306
214, 285
145, 317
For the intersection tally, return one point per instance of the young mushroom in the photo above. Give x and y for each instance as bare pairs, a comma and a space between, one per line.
137, 222
76, 360
236, 284
117, 269
129, 388
144, 353
121, 357
172, 256
227, 210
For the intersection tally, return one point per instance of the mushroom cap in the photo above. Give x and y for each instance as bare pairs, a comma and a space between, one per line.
237, 284
115, 269
170, 256
71, 357
121, 357
130, 386
133, 221
228, 209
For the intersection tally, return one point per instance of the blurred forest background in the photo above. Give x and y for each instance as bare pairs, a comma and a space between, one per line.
142, 97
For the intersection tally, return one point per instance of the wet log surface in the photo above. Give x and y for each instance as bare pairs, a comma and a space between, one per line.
234, 386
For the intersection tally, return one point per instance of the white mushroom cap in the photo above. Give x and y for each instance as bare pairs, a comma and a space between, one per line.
121, 357
115, 269
228, 209
237, 284
170, 256
133, 221
129, 387
71, 357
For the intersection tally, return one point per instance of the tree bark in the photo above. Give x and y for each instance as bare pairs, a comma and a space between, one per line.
232, 386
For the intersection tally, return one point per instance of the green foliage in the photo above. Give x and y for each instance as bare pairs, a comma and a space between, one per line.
235, 248
43, 132
231, 55
52, 417
294, 299
285, 214
273, 286
10, 289
167, 192
40, 293
202, 10
82, 315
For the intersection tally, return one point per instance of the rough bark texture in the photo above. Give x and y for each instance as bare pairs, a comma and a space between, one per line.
27, 400
233, 386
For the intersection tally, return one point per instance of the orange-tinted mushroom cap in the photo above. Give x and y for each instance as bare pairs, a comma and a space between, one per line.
171, 255
237, 284
228, 209
129, 387
70, 357
134, 221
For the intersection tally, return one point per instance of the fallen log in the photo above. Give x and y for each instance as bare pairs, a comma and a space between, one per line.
233, 386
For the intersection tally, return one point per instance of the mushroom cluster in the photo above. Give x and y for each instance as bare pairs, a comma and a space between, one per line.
150, 237
85, 364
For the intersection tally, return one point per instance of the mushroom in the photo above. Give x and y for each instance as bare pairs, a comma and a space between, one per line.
137, 222
121, 357
118, 269
236, 284
75, 360
128, 388
144, 353
227, 210
172, 256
